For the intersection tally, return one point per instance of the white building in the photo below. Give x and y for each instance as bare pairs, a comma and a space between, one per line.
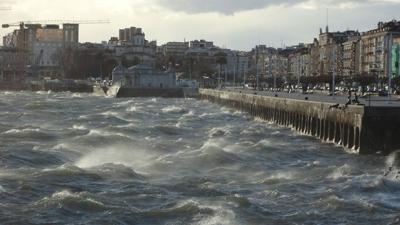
133, 47
143, 77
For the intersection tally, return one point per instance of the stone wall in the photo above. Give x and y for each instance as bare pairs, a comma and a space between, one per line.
356, 128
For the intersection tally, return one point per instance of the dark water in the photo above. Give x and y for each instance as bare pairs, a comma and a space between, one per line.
77, 159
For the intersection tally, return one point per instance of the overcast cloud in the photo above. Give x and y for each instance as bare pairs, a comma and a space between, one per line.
233, 6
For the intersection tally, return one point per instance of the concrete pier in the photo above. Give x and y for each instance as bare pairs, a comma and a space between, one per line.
361, 129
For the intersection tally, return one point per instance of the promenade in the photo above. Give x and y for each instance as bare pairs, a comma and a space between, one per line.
373, 101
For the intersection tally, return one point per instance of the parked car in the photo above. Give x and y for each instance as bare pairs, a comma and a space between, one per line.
382, 93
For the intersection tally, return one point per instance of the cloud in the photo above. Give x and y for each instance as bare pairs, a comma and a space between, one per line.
220, 6
229, 7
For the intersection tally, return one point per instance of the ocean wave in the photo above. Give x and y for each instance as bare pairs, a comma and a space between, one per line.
132, 157
133, 109
174, 110
344, 171
77, 95
184, 209
222, 215
2, 189
25, 130
169, 130
189, 114
83, 202
354, 204
116, 171
65, 172
278, 177
30, 134
79, 127
104, 133
219, 132
125, 103
42, 92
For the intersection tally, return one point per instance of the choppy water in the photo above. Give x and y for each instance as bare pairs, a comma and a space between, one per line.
79, 159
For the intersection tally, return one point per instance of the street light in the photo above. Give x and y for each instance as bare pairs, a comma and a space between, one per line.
1, 67
334, 74
390, 68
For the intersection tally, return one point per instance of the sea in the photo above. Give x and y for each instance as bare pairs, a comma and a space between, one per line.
68, 158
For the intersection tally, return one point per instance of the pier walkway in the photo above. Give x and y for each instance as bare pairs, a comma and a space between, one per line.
365, 129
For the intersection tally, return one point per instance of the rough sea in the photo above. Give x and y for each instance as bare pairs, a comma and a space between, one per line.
79, 159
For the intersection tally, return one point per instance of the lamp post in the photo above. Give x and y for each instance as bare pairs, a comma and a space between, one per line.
390, 68
219, 76
298, 72
257, 74
1, 68
334, 74
244, 77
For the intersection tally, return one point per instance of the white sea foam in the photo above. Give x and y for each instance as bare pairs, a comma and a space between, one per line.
133, 157
42, 92
264, 142
60, 146
283, 175
133, 109
81, 198
26, 130
222, 215
340, 172
110, 113
77, 95
189, 114
173, 109
125, 103
220, 131
79, 127
97, 132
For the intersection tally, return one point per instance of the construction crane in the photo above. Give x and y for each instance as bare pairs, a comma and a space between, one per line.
23, 24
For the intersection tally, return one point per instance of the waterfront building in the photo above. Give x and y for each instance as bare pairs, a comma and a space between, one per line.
133, 47
331, 51
132, 36
200, 59
12, 64
259, 56
143, 77
300, 61
243, 62
174, 52
201, 44
275, 64
375, 45
314, 58
351, 57
43, 44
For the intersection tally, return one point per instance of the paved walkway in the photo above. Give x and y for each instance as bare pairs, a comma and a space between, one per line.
374, 101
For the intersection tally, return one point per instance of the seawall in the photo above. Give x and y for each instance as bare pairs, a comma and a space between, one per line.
364, 130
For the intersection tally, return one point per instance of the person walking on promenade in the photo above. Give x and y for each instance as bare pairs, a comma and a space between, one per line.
349, 101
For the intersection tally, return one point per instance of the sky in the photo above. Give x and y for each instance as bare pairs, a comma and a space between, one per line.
235, 24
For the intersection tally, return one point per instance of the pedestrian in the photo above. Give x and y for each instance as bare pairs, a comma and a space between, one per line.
349, 99
356, 99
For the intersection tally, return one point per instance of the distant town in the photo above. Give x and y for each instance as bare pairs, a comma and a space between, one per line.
35, 52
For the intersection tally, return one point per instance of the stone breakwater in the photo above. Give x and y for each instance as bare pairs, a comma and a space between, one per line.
358, 128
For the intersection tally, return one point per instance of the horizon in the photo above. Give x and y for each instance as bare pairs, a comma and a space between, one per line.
242, 25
